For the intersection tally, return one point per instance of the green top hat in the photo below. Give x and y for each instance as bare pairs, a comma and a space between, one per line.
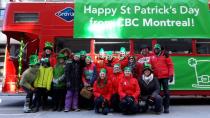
33, 60
127, 69
60, 55
122, 49
117, 65
103, 70
88, 57
77, 54
147, 66
48, 45
83, 52
101, 51
109, 53
157, 46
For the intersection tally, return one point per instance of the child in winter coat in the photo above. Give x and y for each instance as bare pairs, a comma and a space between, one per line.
27, 80
73, 83
59, 88
43, 83
102, 90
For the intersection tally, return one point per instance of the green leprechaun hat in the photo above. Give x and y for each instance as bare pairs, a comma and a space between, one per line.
77, 54
122, 49
117, 65
109, 53
127, 69
147, 67
157, 46
103, 70
101, 51
48, 45
33, 60
88, 58
60, 55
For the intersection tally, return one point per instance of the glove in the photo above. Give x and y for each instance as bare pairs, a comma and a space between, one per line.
151, 100
170, 78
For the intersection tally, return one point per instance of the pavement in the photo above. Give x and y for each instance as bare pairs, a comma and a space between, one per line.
11, 106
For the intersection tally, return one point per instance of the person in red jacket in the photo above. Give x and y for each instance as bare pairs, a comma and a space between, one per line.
102, 90
144, 57
115, 78
123, 59
48, 53
164, 71
100, 60
110, 62
129, 92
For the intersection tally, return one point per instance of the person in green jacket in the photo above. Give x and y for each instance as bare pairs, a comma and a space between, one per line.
43, 83
59, 87
27, 80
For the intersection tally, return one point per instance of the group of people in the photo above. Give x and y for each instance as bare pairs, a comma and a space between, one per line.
127, 84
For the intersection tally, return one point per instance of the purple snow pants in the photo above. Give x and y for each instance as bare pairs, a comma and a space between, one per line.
71, 101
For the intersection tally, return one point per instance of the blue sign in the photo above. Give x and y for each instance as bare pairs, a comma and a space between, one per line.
66, 14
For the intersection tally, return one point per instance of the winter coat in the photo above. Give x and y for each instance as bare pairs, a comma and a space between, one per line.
151, 89
123, 63
115, 78
163, 66
105, 91
44, 78
89, 74
129, 86
73, 76
100, 63
140, 63
110, 64
28, 77
58, 73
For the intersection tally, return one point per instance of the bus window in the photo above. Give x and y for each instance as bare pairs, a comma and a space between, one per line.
203, 46
176, 46
138, 44
75, 45
111, 45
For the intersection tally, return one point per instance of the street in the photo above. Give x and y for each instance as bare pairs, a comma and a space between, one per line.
11, 106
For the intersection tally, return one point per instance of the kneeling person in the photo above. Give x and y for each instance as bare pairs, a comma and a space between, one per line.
150, 90
102, 90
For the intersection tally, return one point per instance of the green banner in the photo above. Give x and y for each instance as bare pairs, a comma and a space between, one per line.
191, 73
137, 19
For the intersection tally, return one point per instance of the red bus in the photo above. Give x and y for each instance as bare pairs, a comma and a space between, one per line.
38, 22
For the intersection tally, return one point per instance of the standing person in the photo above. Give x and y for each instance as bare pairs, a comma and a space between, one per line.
83, 56
73, 82
102, 90
67, 53
100, 60
123, 59
43, 83
110, 62
116, 78
129, 92
59, 90
132, 65
88, 77
164, 71
144, 57
48, 53
27, 81
150, 90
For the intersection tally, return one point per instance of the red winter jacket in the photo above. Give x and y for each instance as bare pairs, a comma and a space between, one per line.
140, 63
100, 63
123, 63
105, 91
115, 78
129, 86
110, 65
163, 67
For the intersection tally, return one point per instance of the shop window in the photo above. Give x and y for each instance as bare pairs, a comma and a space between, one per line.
176, 46
26, 17
111, 45
203, 46
75, 45
139, 43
